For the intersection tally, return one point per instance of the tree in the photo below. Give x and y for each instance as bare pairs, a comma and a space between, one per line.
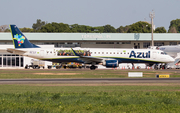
27, 29
109, 29
99, 29
3, 28
48, 28
174, 24
55, 27
85, 29
140, 27
37, 26
7, 30
122, 29
160, 30
172, 30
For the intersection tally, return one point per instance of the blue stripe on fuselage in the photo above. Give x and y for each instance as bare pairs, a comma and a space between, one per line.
120, 60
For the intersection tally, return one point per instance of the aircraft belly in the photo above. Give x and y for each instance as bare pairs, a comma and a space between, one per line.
63, 60
126, 60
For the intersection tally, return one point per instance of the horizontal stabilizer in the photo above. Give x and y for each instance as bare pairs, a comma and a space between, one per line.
15, 51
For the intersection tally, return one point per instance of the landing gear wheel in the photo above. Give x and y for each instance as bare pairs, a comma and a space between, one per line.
92, 67
164, 67
34, 67
156, 67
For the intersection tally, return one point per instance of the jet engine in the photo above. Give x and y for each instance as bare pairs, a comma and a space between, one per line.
110, 63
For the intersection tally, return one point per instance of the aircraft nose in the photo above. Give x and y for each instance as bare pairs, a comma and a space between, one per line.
172, 59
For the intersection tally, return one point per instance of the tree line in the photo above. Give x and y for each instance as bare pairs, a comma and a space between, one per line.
138, 27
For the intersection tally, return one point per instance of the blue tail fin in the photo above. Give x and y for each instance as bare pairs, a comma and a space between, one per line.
19, 39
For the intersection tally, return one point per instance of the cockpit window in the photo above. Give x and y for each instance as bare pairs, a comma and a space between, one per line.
163, 53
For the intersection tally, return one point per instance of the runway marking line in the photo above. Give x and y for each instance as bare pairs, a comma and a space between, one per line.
56, 73
102, 84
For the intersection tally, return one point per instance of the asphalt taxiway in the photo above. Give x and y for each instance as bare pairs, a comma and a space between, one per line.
90, 80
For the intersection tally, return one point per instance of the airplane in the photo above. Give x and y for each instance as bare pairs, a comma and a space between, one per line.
107, 57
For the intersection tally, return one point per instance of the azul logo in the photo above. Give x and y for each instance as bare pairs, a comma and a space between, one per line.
20, 39
139, 54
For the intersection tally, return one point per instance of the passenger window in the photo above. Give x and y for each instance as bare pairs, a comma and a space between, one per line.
114, 52
102, 52
117, 52
94, 52
110, 53
98, 52
106, 52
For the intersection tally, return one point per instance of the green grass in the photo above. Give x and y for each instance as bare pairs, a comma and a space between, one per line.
7, 74
55, 98
93, 99
54, 88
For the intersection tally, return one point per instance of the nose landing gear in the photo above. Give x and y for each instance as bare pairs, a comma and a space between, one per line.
156, 66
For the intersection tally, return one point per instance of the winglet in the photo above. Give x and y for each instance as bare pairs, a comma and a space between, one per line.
75, 54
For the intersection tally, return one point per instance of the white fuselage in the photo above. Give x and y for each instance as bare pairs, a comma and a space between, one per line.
122, 55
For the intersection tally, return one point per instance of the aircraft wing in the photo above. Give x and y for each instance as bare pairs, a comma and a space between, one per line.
89, 59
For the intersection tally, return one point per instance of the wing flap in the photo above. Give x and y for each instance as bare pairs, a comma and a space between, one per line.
89, 59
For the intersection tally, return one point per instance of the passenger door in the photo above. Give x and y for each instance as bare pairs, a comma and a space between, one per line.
154, 54
41, 52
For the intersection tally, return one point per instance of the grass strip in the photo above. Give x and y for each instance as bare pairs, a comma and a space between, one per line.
7, 74
92, 99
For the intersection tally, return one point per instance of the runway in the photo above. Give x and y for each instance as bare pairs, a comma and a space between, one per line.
89, 80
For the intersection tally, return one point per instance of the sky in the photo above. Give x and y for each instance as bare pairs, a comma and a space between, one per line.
94, 13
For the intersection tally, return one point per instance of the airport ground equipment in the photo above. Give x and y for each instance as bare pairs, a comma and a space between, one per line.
70, 65
135, 74
162, 76
36, 64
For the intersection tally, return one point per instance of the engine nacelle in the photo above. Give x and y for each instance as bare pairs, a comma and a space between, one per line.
110, 63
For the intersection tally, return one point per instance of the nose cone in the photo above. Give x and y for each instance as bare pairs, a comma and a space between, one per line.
171, 59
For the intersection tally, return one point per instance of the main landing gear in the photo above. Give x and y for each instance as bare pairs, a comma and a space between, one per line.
93, 67
156, 67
